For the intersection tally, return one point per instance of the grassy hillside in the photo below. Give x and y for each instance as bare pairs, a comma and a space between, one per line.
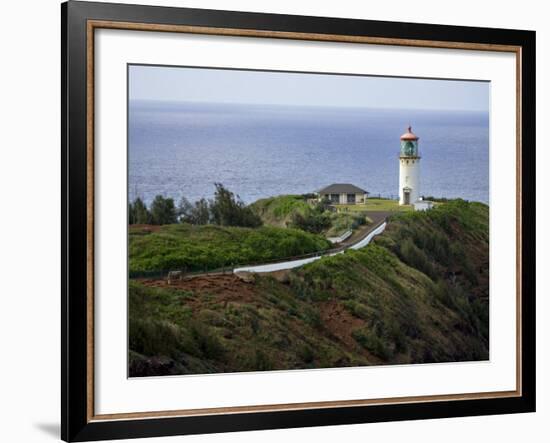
378, 204
278, 211
418, 293
206, 247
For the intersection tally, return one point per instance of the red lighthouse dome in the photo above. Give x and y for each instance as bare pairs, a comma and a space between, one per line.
409, 136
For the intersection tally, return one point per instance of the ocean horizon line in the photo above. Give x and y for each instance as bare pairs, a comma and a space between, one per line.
294, 105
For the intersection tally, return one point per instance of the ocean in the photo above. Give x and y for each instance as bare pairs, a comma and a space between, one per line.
182, 149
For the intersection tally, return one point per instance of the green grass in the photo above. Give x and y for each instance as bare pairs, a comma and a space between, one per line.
275, 331
344, 221
198, 248
391, 302
400, 286
377, 204
278, 211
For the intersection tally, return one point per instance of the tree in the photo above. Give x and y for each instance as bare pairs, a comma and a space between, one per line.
229, 210
163, 211
185, 211
200, 213
197, 214
138, 213
312, 221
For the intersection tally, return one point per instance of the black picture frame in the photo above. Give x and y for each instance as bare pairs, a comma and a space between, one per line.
76, 424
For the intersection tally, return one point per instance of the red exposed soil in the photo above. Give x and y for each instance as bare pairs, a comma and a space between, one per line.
336, 319
230, 288
339, 321
226, 287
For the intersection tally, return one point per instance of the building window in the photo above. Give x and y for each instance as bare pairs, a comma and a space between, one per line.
334, 198
351, 198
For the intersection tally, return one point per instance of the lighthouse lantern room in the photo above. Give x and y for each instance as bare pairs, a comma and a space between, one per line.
409, 169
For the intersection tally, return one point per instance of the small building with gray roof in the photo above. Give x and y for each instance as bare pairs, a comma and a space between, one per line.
343, 194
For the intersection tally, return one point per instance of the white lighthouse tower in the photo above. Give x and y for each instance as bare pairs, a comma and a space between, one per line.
409, 169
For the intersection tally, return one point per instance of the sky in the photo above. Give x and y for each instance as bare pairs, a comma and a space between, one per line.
284, 88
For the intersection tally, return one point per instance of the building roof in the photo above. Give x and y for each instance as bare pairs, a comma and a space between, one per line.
409, 135
342, 188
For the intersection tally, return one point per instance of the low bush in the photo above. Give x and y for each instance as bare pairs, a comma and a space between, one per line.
371, 342
201, 248
415, 257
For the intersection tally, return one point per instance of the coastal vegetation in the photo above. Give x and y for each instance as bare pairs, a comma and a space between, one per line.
306, 213
417, 294
223, 232
302, 212
208, 247
225, 209
278, 211
377, 204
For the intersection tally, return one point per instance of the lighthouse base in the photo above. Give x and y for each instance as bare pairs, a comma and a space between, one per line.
409, 180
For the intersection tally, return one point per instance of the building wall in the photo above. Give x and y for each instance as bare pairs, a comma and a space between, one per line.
423, 205
409, 176
343, 198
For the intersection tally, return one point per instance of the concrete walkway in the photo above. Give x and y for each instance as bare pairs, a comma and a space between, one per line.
376, 229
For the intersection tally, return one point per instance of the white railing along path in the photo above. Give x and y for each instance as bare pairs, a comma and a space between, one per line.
291, 264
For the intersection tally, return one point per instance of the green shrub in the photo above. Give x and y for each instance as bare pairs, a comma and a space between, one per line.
372, 343
357, 309
199, 248
306, 353
416, 257
313, 221
154, 337
207, 341
312, 317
